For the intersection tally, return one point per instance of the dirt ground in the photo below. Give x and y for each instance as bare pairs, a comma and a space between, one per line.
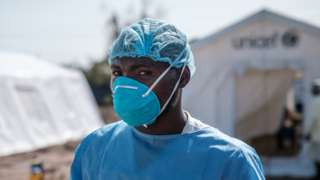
56, 161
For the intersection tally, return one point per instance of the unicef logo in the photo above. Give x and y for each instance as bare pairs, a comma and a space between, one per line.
287, 39
290, 38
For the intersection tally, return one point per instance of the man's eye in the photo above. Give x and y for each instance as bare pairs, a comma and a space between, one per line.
144, 73
116, 73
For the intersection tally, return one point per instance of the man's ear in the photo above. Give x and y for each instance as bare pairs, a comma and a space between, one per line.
185, 78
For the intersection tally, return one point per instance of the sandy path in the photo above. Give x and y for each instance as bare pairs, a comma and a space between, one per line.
56, 161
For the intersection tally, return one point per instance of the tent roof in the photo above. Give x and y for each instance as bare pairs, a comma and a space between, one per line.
27, 66
263, 14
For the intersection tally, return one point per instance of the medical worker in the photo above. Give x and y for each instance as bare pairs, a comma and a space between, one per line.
156, 139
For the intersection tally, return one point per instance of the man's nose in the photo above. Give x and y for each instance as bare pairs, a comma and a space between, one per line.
128, 73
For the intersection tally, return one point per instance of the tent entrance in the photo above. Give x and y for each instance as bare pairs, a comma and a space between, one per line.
262, 115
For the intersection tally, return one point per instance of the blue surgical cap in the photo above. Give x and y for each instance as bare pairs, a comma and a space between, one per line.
154, 39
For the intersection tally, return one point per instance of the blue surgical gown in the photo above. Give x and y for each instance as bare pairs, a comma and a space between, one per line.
120, 152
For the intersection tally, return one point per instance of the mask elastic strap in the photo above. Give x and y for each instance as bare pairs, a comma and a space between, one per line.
174, 90
157, 81
110, 86
162, 75
153, 84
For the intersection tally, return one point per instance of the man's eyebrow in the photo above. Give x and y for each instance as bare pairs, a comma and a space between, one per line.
114, 66
133, 65
139, 65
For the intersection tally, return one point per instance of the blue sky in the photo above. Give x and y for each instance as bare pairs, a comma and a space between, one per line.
75, 31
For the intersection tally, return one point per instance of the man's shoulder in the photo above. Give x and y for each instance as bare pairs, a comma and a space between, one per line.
231, 152
219, 142
104, 134
109, 129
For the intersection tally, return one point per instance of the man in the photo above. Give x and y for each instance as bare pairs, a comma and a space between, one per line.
151, 63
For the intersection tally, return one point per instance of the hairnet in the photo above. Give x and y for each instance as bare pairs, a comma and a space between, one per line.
157, 40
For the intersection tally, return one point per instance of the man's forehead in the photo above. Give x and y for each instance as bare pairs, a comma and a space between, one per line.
138, 61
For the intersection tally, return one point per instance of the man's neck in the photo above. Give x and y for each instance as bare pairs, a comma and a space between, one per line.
169, 122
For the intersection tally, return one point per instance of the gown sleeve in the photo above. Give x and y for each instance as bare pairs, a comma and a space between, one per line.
79, 154
75, 170
243, 165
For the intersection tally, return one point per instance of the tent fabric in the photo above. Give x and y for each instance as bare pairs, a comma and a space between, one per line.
22, 65
42, 104
228, 92
211, 94
260, 101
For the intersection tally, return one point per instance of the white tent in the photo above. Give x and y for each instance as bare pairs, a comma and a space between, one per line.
42, 104
245, 71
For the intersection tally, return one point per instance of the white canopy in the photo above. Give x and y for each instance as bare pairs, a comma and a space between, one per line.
42, 104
